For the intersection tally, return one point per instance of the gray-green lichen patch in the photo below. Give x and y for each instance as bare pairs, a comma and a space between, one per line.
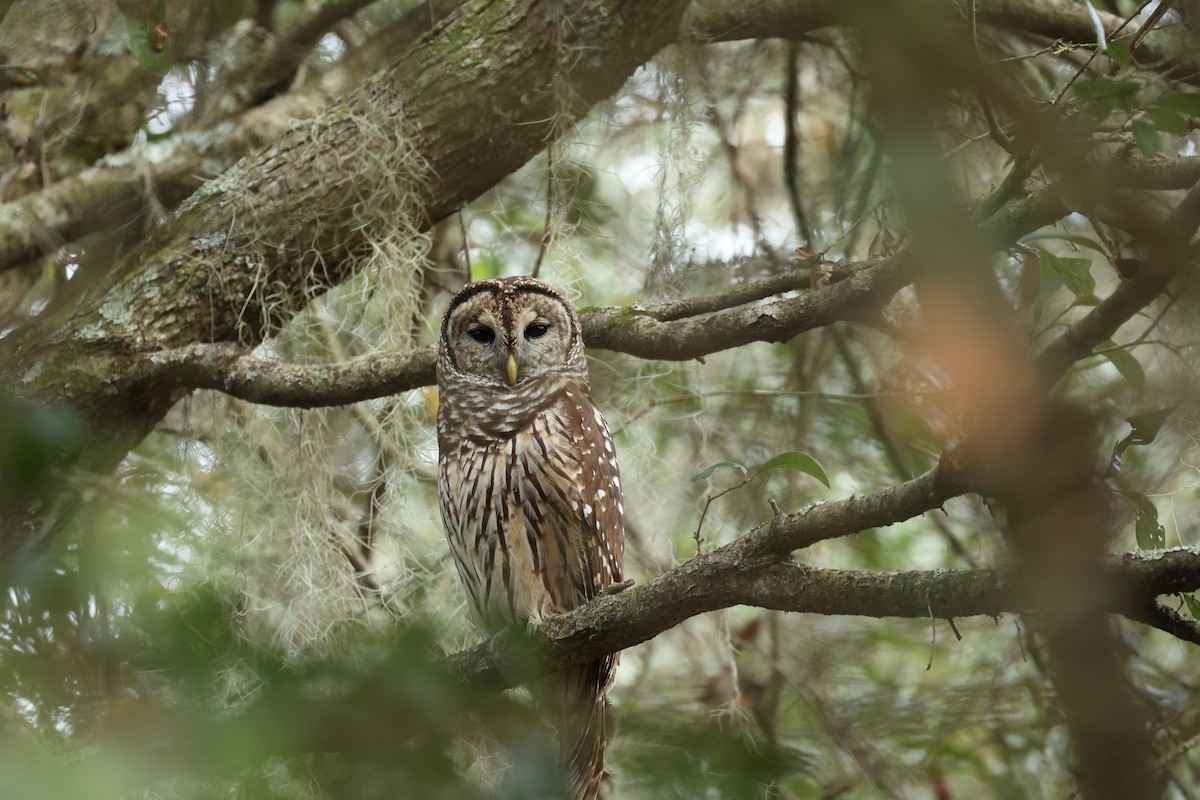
33, 372
91, 332
1155, 555
120, 313
226, 182
211, 242
626, 318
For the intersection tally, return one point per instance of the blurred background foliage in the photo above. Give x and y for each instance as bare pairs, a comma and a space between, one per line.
229, 613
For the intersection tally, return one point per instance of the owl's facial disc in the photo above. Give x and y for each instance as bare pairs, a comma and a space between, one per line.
510, 332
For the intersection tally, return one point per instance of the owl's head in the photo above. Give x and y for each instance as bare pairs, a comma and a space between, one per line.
510, 331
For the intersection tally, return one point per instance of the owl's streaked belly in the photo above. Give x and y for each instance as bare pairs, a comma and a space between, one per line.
514, 532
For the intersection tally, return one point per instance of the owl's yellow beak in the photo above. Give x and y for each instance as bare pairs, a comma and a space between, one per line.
512, 370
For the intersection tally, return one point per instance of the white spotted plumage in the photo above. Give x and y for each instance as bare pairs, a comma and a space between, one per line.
529, 486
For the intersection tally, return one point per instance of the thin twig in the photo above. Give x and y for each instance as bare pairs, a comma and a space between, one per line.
791, 146
1092, 57
547, 226
1157, 14
466, 246
984, 104
932, 633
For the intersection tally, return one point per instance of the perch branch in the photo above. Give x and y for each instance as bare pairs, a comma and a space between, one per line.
720, 580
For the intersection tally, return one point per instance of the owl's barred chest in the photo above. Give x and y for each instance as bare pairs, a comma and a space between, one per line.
514, 523
537, 449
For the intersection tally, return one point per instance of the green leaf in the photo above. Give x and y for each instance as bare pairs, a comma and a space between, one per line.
801, 462
1104, 88
151, 49
1147, 137
1051, 282
1075, 273
1082, 241
699, 476
1118, 51
1146, 426
1148, 530
1129, 367
1103, 95
1168, 121
1186, 103
1145, 430
1193, 605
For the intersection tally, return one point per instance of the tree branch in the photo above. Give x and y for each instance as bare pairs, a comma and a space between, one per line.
754, 570
277, 68
734, 20
39, 223
1170, 257
681, 330
229, 368
720, 580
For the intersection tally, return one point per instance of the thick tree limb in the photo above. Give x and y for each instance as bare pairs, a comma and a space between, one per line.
82, 204
53, 221
41, 222
232, 370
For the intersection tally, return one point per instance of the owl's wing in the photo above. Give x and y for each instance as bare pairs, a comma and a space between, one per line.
600, 513
596, 519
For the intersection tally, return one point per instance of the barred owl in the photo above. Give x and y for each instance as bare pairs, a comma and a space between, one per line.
528, 485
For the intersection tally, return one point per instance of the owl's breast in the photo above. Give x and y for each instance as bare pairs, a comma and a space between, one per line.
511, 508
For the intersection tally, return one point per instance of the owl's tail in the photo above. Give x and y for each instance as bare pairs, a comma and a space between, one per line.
578, 705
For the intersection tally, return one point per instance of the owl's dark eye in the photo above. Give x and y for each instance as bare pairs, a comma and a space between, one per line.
537, 330
482, 334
